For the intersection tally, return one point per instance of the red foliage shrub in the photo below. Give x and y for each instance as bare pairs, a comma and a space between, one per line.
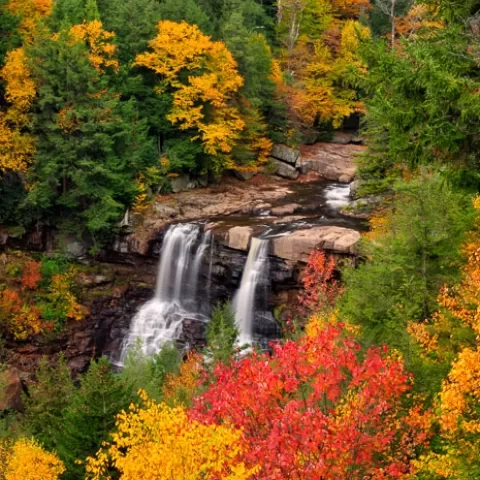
314, 409
31, 274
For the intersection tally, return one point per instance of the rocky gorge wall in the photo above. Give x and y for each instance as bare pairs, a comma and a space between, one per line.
297, 215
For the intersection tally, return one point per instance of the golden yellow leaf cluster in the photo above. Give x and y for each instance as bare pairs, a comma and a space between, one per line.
204, 79
157, 442
26, 460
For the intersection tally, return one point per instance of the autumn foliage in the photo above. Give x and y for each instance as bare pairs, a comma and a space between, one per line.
27, 460
314, 409
157, 442
320, 287
31, 274
203, 78
452, 335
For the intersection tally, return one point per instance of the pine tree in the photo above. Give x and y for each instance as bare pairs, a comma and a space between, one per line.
47, 398
222, 334
90, 415
91, 145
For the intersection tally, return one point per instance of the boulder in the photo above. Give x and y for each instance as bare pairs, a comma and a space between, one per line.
261, 208
332, 161
245, 176
284, 170
72, 246
238, 238
342, 138
180, 183
297, 246
288, 209
203, 180
165, 211
285, 154
11, 396
289, 219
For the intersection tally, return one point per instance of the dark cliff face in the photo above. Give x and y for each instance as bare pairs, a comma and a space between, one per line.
219, 278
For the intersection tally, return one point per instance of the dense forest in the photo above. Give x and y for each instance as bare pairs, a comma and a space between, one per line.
104, 103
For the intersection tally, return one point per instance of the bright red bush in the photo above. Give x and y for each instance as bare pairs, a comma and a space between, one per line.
315, 410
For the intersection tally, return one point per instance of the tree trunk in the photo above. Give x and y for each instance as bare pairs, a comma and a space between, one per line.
392, 16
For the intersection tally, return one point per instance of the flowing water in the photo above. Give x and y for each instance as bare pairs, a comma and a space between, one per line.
160, 320
337, 196
254, 273
179, 294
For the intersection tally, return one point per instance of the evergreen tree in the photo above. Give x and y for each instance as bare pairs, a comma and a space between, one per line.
66, 13
222, 334
46, 401
133, 23
91, 145
9, 39
186, 10
413, 252
90, 415
423, 104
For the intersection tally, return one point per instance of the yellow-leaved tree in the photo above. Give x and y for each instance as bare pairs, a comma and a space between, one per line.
203, 79
101, 49
16, 145
157, 442
31, 12
320, 40
27, 460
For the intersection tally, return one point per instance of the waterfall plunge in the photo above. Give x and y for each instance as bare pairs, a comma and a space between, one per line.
254, 272
160, 320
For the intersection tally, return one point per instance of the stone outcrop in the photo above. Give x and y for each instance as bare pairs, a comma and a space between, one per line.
288, 209
284, 170
332, 161
285, 154
11, 395
180, 183
238, 238
297, 246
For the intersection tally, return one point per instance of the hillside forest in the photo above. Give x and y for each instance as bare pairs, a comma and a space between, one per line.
104, 103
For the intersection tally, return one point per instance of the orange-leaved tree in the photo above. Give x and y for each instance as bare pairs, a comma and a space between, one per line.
320, 40
157, 442
16, 144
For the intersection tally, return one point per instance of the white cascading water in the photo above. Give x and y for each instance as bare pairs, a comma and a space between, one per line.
255, 269
160, 320
337, 196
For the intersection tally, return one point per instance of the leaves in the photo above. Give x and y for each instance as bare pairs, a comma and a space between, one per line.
158, 442
352, 408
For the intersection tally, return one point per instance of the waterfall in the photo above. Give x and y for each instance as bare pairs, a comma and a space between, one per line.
337, 196
254, 272
160, 320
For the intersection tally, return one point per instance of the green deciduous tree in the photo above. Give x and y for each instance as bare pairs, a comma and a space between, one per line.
222, 334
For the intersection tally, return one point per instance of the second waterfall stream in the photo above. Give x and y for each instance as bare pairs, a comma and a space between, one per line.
177, 294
